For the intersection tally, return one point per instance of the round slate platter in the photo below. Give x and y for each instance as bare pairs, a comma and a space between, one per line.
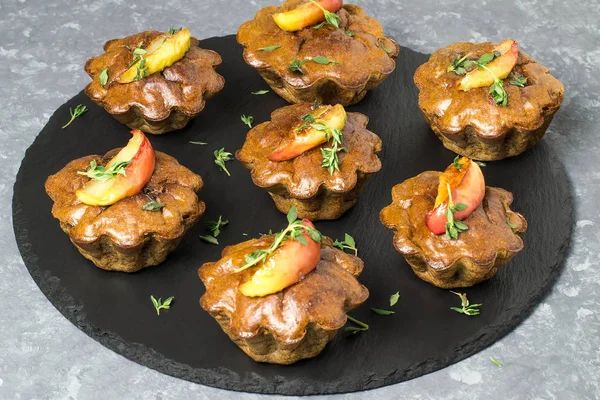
423, 336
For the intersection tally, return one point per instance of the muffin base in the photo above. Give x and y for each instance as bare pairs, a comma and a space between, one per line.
134, 119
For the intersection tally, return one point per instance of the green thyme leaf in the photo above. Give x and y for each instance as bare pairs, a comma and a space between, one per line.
466, 308
520, 81
456, 164
292, 215
153, 206
353, 330
382, 312
386, 49
317, 27
198, 143
460, 206
221, 157
269, 49
308, 118
510, 224
247, 120
460, 65
324, 60
173, 31
349, 33
103, 77
492, 359
139, 51
296, 66
348, 243
80, 109
480, 163
209, 239
394, 299
160, 305
499, 93
260, 92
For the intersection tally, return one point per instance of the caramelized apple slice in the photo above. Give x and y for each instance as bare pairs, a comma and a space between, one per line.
286, 266
161, 53
500, 67
139, 151
305, 15
467, 187
304, 139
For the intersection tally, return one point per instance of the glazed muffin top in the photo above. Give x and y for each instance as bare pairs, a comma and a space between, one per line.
304, 175
183, 86
488, 235
124, 222
322, 297
453, 110
358, 45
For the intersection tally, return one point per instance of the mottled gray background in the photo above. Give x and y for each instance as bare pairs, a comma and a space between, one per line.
44, 44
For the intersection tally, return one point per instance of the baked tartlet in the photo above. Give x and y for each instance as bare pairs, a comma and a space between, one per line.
486, 232
304, 176
487, 115
150, 87
137, 230
335, 65
286, 325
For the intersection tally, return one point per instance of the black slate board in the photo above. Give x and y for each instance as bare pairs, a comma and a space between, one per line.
423, 336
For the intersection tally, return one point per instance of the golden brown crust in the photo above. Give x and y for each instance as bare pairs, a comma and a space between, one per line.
470, 123
123, 237
363, 62
302, 181
477, 253
162, 102
290, 325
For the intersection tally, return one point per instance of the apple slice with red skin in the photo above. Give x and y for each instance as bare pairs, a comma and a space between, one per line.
308, 14
500, 67
137, 174
467, 187
285, 267
308, 138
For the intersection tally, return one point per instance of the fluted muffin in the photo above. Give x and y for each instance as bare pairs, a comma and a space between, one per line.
154, 102
136, 231
487, 238
487, 115
317, 191
291, 324
333, 65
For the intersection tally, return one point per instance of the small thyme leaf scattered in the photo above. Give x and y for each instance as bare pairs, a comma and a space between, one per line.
269, 49
139, 51
79, 110
466, 308
247, 120
347, 243
382, 312
353, 330
153, 206
103, 174
260, 92
453, 227
221, 157
173, 31
510, 224
460, 65
297, 65
209, 239
317, 27
394, 299
492, 359
160, 305
198, 143
324, 60
331, 18
215, 227
349, 33
293, 231
520, 81
386, 49
480, 163
103, 77
456, 164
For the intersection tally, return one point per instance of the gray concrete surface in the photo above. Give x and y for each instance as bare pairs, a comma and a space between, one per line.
44, 44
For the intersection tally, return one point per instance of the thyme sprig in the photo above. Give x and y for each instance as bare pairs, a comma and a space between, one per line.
247, 119
293, 231
347, 243
353, 330
332, 18
454, 227
103, 174
215, 226
331, 159
221, 157
521, 81
465, 306
160, 305
79, 110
